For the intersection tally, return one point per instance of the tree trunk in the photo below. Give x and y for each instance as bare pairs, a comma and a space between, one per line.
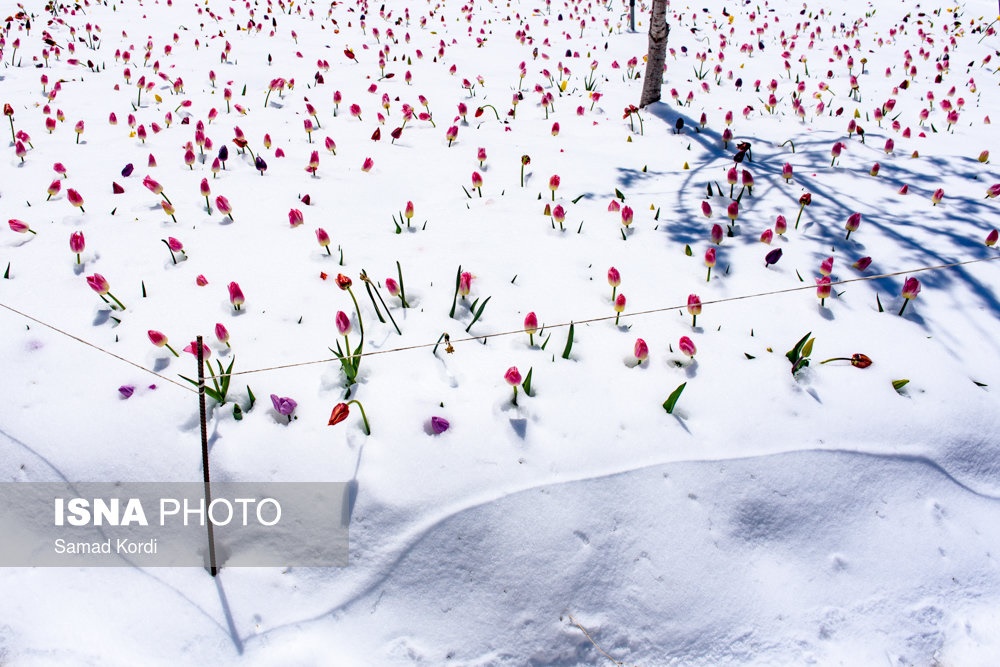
659, 31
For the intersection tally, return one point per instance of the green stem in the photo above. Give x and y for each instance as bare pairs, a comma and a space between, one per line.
694, 321
515, 395
709, 278
167, 345
905, 303
836, 359
799, 217
531, 340
364, 417
122, 305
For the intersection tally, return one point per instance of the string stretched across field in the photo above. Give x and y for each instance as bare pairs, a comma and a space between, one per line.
561, 325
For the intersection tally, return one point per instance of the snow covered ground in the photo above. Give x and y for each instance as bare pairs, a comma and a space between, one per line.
834, 516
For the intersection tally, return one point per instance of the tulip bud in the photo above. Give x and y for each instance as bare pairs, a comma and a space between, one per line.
343, 323
937, 196
853, 222
863, 263
991, 238
911, 288
641, 350
236, 295
826, 266
780, 225
686, 346
530, 323
766, 236
694, 308
717, 234
772, 257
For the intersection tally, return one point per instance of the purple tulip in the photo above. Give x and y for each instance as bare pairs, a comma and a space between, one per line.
439, 425
772, 257
126, 390
284, 405
127, 171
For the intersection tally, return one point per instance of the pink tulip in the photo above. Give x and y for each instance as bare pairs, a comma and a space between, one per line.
709, 262
59, 169
619, 307
694, 308
614, 206
991, 238
531, 327
911, 288
222, 204
295, 217
706, 209
512, 376
614, 279
554, 185
75, 199
19, 150
201, 281
875, 169
559, 214
641, 350
323, 239
236, 295
823, 289
79, 130
733, 210
465, 283
99, 284
481, 156
826, 266
77, 244
889, 145
853, 222
392, 286
937, 196
862, 263
717, 234
786, 172
780, 225
766, 236
627, 215
686, 346
367, 164
477, 182
174, 244
222, 333
160, 340
993, 191
451, 134
192, 347
19, 227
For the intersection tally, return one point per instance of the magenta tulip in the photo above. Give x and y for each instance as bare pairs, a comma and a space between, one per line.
911, 288
19, 227
641, 350
343, 323
77, 244
531, 326
687, 347
992, 237
694, 308
222, 334
160, 340
222, 204
853, 222
236, 295
863, 263
823, 289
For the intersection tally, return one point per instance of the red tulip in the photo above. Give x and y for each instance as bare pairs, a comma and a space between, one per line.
340, 413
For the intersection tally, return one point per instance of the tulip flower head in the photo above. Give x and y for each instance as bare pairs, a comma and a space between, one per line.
937, 196
223, 206
780, 225
323, 239
992, 237
477, 182
687, 347
160, 340
826, 266
614, 279
993, 191
54, 188
77, 244
192, 347
342, 410
465, 284
619, 307
772, 257
513, 378
283, 405
100, 284
862, 263
20, 227
75, 198
222, 334
706, 209
295, 217
694, 308
853, 222
823, 289
343, 323
439, 425
717, 234
554, 185
911, 288
766, 236
174, 246
201, 280
709, 262
236, 295
804, 200
641, 350
786, 172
